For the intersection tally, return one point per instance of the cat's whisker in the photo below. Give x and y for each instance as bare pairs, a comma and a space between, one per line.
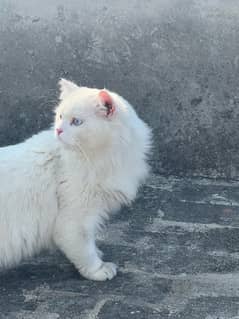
124, 140
85, 155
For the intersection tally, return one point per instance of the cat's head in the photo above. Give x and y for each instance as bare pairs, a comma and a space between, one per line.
103, 126
88, 117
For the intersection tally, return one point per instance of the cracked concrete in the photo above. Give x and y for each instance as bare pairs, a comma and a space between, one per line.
177, 253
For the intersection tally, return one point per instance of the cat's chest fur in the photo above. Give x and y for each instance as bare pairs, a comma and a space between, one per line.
84, 185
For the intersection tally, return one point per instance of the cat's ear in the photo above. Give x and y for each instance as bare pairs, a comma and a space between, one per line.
107, 107
66, 88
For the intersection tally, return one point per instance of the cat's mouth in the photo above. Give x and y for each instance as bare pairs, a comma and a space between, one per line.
59, 137
64, 141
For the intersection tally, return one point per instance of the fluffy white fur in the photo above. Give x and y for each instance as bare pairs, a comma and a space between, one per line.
59, 190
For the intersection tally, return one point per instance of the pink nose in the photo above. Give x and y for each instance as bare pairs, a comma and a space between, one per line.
59, 131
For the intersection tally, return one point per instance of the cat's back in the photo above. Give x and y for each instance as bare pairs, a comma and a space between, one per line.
29, 161
36, 148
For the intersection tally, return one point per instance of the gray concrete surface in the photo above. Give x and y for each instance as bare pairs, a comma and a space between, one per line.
177, 251
177, 61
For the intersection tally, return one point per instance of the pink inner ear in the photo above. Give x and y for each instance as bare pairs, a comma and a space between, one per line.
107, 101
105, 97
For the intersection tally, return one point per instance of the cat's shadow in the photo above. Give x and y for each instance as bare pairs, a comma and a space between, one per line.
45, 268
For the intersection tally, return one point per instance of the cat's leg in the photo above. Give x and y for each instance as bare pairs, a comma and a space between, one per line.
77, 241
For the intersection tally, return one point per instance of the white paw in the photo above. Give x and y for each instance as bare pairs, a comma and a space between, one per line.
106, 271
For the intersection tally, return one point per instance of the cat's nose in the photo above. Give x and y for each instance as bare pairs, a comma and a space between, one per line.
59, 131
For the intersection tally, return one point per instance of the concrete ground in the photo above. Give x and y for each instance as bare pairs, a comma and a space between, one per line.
177, 251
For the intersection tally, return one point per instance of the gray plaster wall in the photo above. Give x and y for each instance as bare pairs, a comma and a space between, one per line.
176, 61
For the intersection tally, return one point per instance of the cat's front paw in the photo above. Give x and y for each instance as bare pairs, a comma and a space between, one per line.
106, 271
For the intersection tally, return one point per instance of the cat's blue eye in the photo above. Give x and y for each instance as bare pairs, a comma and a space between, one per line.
76, 121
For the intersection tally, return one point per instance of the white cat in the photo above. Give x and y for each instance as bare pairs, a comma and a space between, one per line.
60, 190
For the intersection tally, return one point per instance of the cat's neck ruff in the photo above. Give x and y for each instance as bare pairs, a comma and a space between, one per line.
101, 160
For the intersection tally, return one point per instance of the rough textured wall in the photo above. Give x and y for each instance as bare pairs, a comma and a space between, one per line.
176, 61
